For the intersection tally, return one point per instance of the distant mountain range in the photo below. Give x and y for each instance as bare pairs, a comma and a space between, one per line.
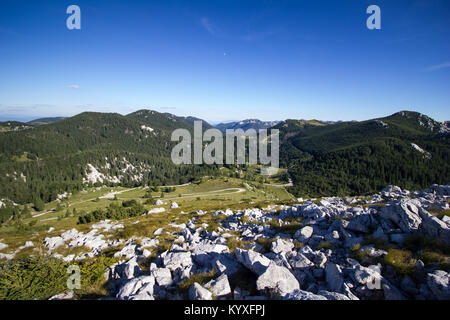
407, 148
247, 124
41, 121
244, 124
50, 156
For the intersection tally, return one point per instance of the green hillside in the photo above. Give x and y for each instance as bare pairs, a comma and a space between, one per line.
361, 157
44, 161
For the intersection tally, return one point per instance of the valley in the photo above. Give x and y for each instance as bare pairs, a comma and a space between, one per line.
99, 191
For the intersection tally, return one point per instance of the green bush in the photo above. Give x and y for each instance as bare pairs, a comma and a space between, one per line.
114, 212
38, 278
401, 260
32, 278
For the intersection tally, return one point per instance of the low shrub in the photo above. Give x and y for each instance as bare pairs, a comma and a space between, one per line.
401, 260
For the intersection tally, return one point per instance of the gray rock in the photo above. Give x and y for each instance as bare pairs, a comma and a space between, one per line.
133, 286
225, 264
130, 269
177, 260
162, 276
434, 227
320, 259
300, 261
334, 277
127, 252
370, 277
333, 295
346, 290
220, 287
391, 292
318, 273
197, 292
303, 295
360, 224
240, 294
304, 233
446, 219
63, 296
53, 243
404, 213
252, 260
144, 293
438, 281
398, 237
379, 234
278, 281
281, 245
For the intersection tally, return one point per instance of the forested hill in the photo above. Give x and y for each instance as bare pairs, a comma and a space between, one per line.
406, 149
41, 162
90, 148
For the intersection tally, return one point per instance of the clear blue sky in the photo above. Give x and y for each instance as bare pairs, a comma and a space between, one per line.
225, 59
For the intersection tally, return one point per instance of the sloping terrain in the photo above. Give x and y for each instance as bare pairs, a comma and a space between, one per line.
393, 245
98, 148
407, 149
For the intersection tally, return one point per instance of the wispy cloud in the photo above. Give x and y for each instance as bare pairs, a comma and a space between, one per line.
74, 86
208, 25
438, 66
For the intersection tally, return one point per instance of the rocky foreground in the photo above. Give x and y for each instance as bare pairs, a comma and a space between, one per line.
327, 258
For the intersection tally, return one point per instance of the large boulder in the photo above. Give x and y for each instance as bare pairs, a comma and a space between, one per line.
334, 277
434, 227
130, 269
439, 283
404, 213
360, 223
304, 233
300, 261
177, 260
391, 292
278, 281
333, 295
252, 260
392, 192
162, 276
303, 295
225, 264
53, 243
220, 287
204, 254
197, 292
133, 286
281, 245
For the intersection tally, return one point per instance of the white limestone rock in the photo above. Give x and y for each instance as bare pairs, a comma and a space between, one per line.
197, 292
220, 287
278, 281
252, 260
